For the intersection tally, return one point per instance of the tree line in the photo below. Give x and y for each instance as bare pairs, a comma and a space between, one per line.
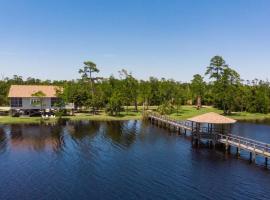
224, 90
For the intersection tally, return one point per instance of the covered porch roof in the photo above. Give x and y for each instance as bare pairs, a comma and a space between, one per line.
212, 118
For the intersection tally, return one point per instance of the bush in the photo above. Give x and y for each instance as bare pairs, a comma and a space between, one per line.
166, 108
115, 106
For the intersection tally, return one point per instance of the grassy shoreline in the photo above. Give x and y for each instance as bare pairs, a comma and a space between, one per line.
185, 113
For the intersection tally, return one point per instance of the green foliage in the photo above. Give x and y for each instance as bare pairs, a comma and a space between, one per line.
115, 104
166, 108
88, 69
40, 95
216, 67
197, 88
4, 87
60, 113
129, 88
225, 91
225, 85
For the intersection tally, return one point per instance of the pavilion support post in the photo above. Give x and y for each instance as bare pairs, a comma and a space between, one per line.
222, 129
213, 136
227, 146
198, 134
230, 128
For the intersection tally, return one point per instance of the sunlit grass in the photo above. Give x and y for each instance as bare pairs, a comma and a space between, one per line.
184, 113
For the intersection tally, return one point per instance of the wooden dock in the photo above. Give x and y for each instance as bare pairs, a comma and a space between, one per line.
254, 147
214, 136
178, 125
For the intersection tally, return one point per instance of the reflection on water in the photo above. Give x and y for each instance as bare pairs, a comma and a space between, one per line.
35, 137
122, 133
122, 160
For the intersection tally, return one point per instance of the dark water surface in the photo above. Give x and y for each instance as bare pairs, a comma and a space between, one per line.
123, 160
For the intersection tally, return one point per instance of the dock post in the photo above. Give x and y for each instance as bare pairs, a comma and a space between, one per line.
250, 157
237, 152
254, 157
229, 149
266, 162
196, 142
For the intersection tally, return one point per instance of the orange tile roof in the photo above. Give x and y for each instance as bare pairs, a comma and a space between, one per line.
212, 118
29, 90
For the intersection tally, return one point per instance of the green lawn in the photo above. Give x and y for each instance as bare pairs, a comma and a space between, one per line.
79, 116
184, 113
20, 120
191, 111
104, 117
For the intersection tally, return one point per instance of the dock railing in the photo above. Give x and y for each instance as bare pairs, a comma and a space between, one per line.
247, 143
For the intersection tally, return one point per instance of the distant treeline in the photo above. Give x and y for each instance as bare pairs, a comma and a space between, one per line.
225, 90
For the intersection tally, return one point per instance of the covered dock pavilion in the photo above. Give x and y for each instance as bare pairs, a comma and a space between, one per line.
205, 126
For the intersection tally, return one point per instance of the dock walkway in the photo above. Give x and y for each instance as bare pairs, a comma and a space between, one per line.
254, 147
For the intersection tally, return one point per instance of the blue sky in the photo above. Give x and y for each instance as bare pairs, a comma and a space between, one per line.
171, 39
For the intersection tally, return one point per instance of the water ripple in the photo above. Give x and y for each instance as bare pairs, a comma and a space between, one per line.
120, 160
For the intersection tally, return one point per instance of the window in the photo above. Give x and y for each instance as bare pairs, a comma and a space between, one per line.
16, 102
55, 101
35, 102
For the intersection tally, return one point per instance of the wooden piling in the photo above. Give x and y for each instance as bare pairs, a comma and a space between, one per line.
250, 157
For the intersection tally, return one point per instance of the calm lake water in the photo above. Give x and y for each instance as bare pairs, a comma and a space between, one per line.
123, 160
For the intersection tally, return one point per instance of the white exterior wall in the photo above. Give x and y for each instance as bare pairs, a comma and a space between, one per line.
26, 103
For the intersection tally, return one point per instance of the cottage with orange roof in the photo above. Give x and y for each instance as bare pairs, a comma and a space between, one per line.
29, 98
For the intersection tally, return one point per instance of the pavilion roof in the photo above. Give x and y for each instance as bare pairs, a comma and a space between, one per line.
212, 118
